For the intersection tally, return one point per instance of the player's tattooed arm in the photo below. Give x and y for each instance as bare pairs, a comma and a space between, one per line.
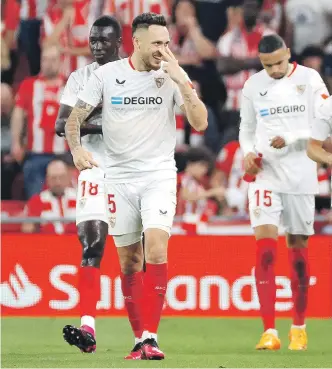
193, 108
79, 114
82, 158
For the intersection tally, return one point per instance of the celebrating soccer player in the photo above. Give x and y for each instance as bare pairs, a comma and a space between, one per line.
276, 114
91, 212
321, 129
138, 96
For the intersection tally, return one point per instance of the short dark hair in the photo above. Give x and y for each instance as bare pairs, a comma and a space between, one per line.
108, 21
269, 44
145, 20
196, 154
312, 50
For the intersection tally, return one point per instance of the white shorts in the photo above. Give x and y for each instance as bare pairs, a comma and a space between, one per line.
296, 212
91, 198
135, 207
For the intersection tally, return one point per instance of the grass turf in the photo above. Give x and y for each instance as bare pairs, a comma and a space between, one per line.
187, 343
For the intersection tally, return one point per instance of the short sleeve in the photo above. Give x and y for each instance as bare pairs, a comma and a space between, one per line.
248, 121
23, 95
178, 99
322, 125
247, 111
93, 90
321, 129
70, 92
319, 88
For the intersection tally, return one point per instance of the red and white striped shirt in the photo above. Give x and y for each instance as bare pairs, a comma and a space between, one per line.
33, 9
126, 10
47, 206
199, 207
76, 35
230, 161
240, 44
324, 181
39, 98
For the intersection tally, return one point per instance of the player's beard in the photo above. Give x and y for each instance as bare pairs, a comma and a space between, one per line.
148, 65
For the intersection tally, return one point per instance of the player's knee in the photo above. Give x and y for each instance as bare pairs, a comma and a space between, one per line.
295, 240
93, 245
156, 241
131, 262
92, 248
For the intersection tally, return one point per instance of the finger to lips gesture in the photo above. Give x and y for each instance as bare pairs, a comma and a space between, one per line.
172, 67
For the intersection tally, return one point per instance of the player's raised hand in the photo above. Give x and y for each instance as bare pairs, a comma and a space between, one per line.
172, 67
278, 142
251, 164
83, 159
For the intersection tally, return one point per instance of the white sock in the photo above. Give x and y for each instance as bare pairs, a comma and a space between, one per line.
147, 334
138, 340
298, 326
89, 321
272, 331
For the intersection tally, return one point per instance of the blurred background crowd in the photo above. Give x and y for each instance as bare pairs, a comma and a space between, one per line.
215, 41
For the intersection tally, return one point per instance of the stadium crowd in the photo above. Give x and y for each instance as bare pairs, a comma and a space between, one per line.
215, 41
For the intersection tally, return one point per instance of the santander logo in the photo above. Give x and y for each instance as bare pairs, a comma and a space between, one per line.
19, 292
195, 293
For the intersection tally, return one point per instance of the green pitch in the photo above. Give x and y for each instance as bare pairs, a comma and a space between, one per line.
187, 343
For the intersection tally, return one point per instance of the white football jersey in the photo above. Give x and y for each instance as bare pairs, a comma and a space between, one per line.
322, 127
285, 108
138, 120
76, 82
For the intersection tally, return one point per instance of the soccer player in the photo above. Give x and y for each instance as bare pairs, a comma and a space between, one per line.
139, 95
322, 128
276, 115
91, 211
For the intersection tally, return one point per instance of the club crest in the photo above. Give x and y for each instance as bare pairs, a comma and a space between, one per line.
112, 221
159, 81
257, 212
82, 202
301, 89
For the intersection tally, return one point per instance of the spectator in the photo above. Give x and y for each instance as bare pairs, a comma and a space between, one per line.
186, 135
126, 10
237, 53
37, 101
189, 45
195, 198
66, 25
313, 57
57, 201
32, 12
7, 103
272, 14
228, 173
311, 22
10, 11
9, 169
